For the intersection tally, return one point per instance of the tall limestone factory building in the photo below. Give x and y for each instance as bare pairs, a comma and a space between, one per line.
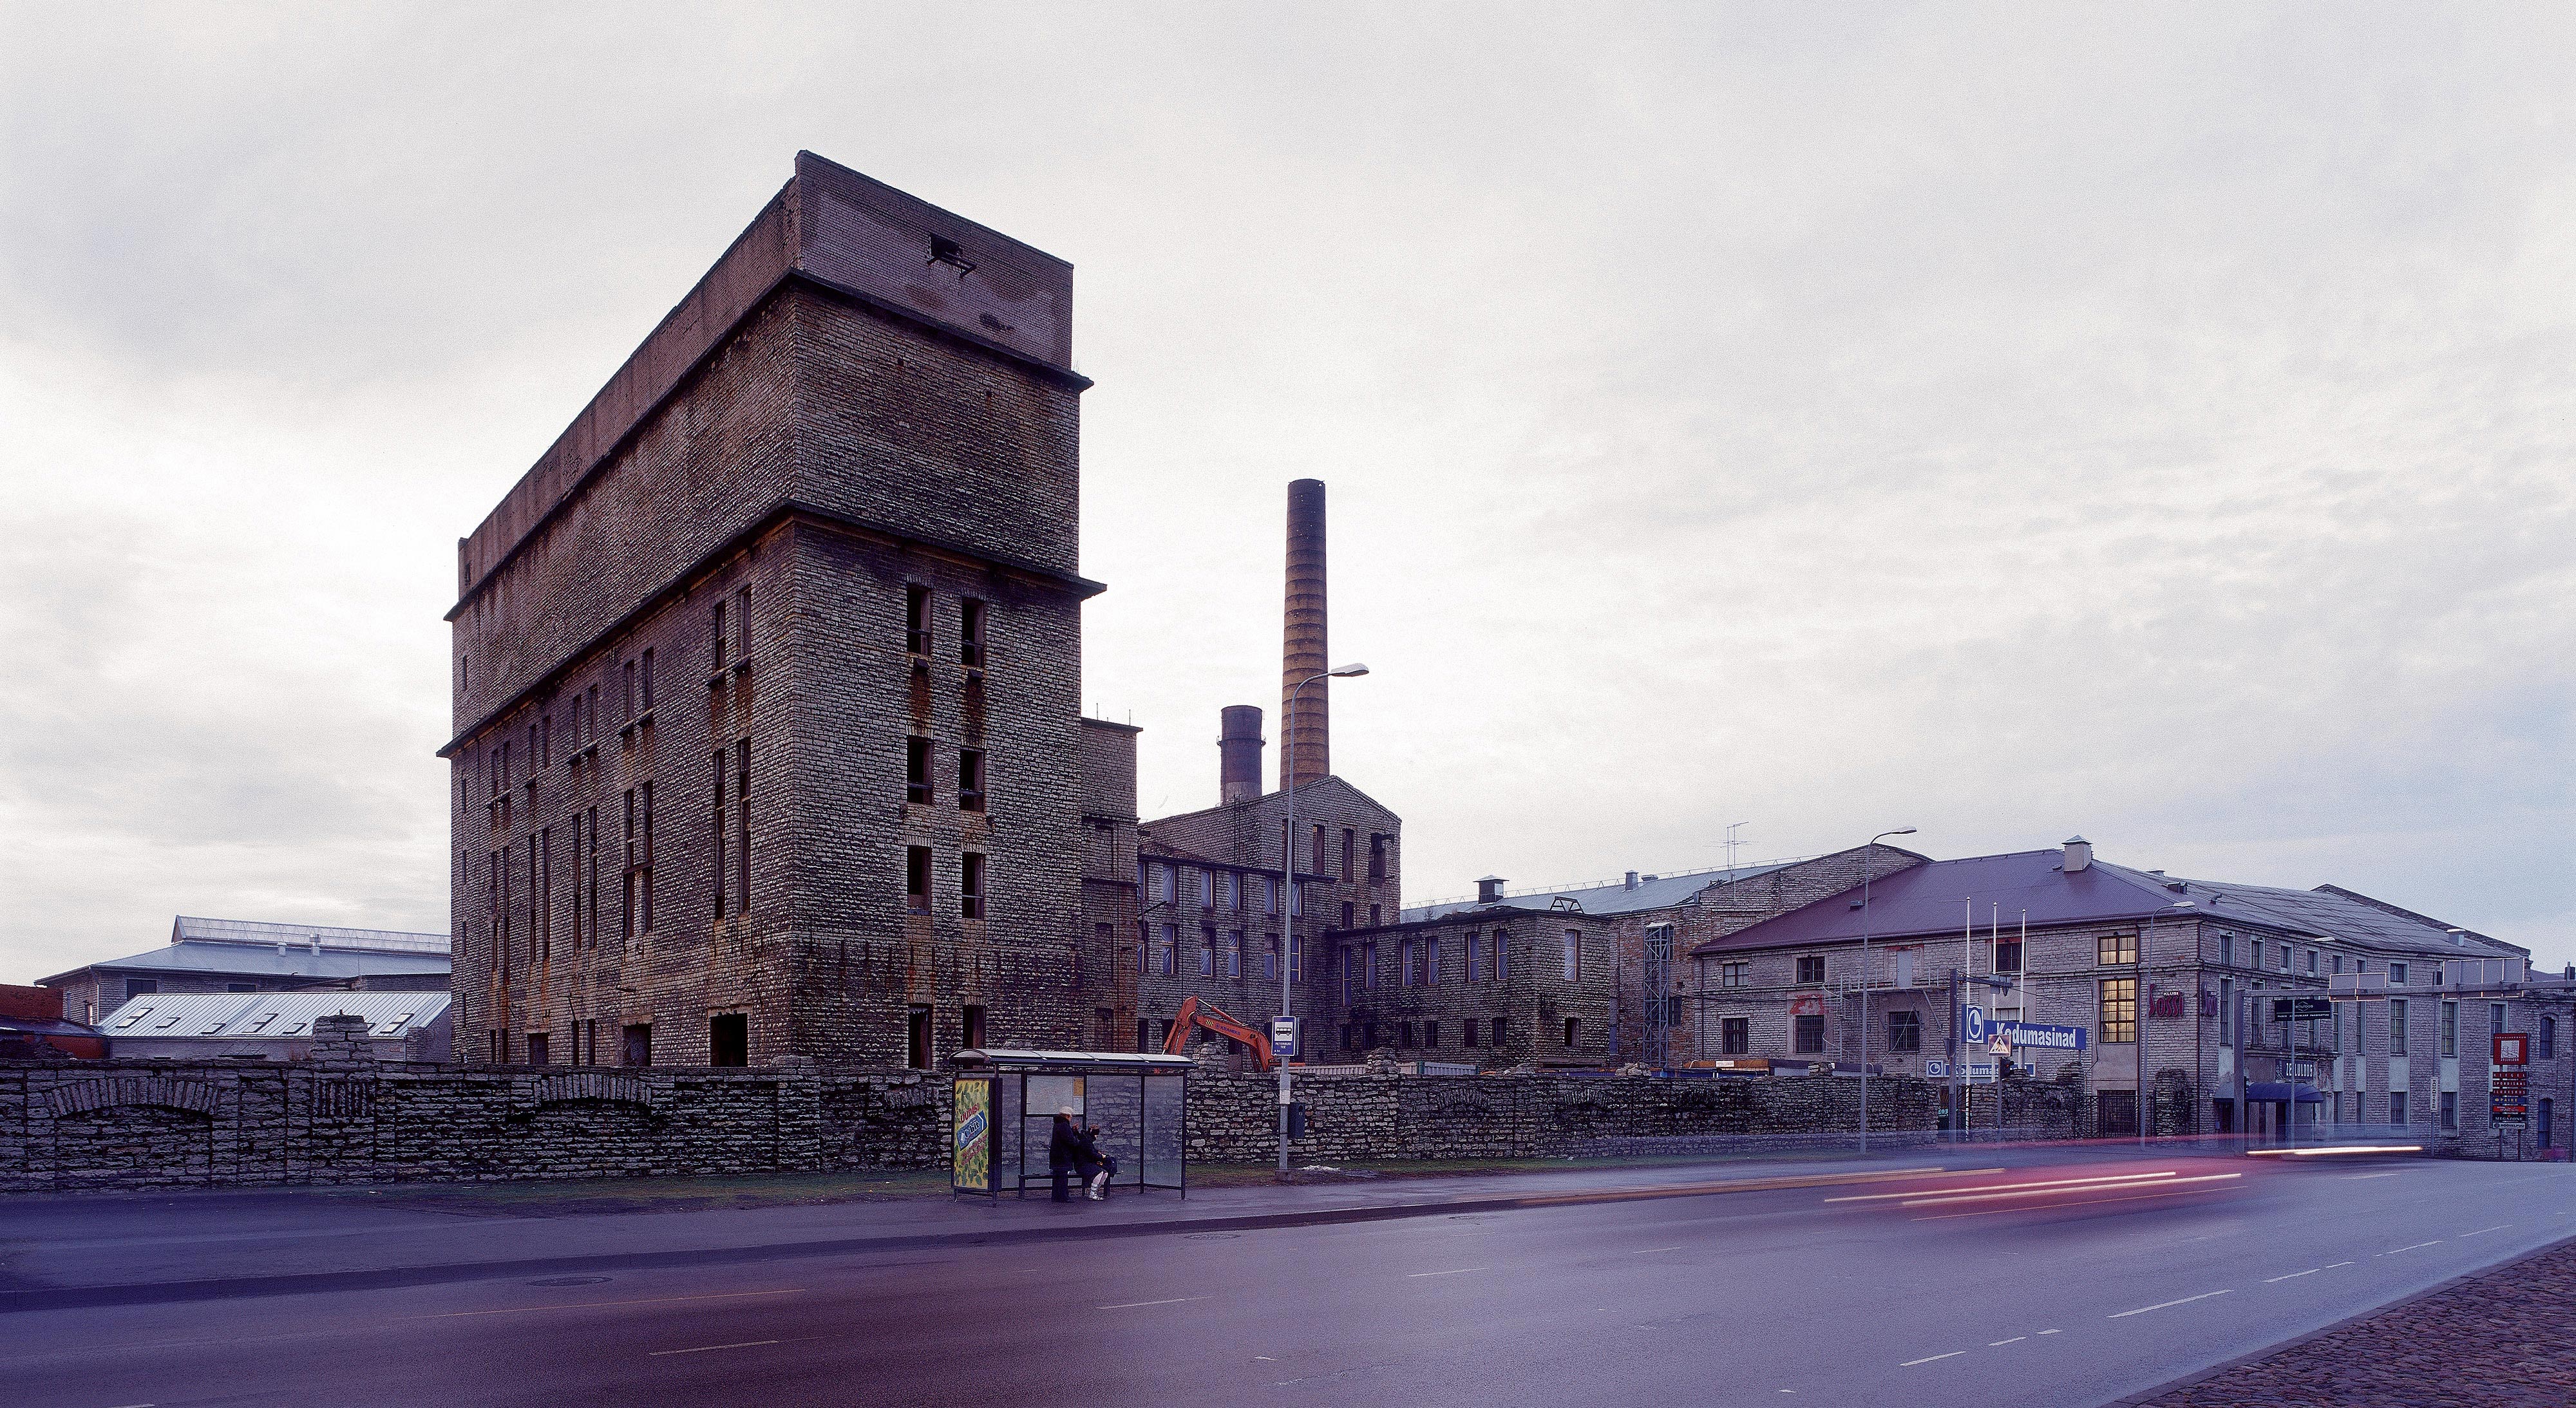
766, 695
766, 677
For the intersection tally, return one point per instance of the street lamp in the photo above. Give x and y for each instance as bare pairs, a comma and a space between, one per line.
1864, 980
1288, 873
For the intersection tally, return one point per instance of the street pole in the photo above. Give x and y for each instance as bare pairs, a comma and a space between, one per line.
1293, 899
1865, 927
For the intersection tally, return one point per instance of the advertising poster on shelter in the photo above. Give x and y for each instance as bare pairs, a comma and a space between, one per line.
973, 1149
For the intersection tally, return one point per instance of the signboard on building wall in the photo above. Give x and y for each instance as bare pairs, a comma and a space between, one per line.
2512, 1048
2302, 1009
1807, 1005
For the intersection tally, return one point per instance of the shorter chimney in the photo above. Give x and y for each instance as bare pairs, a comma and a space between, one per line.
2079, 854
1632, 881
1489, 890
1238, 748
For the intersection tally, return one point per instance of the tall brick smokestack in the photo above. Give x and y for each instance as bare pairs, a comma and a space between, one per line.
1238, 749
1307, 732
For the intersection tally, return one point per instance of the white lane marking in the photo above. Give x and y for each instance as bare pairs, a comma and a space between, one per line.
2331, 1265
2311, 1271
1930, 1358
1641, 1251
2048, 1332
2411, 1246
594, 1304
1998, 1344
2392, 1173
701, 1349
2485, 1230
2163, 1305
1461, 1271
1139, 1304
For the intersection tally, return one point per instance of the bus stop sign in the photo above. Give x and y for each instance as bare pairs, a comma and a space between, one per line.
1283, 1037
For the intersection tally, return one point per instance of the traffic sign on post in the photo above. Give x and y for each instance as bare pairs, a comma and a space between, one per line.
1974, 1027
2512, 1048
1283, 1037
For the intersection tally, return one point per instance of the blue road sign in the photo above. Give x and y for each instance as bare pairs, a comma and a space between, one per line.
1974, 1029
1283, 1037
2045, 1036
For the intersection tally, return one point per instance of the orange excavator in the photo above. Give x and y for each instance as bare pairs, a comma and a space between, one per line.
1207, 1016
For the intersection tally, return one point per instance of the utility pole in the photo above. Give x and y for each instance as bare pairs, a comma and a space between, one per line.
1295, 899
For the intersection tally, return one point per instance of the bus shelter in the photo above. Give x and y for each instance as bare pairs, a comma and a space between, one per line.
1003, 1106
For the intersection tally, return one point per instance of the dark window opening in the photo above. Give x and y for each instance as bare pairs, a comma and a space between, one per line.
729, 1039
635, 1044
974, 1025
1499, 1029
970, 780
916, 1032
1904, 1031
1431, 1034
1735, 1036
536, 1048
1350, 839
916, 620
1467, 1029
1811, 968
970, 887
1810, 1034
1377, 856
916, 770
916, 879
970, 634
2008, 956
1569, 1033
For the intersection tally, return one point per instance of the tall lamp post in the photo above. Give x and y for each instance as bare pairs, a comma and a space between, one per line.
1865, 925
1288, 873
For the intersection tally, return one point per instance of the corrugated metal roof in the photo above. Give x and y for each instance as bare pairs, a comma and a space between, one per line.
265, 961
1661, 892
257, 931
268, 1015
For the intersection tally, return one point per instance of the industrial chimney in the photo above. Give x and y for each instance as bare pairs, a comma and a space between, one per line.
1308, 734
1238, 750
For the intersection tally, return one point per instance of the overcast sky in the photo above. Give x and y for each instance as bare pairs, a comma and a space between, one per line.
2151, 422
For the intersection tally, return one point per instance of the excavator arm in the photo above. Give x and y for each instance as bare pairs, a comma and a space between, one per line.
1207, 1016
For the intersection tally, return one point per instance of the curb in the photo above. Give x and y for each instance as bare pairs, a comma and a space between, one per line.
2199, 1376
40, 1298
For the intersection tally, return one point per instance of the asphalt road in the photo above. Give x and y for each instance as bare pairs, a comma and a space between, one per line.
1960, 1288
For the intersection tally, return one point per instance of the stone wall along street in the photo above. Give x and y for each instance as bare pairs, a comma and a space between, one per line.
347, 1118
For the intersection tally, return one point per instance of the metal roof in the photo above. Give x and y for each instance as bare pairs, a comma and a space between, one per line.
1939, 897
266, 961
1613, 897
257, 931
258, 1016
2354, 917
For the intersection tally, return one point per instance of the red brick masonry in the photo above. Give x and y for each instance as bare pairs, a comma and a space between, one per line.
2504, 1338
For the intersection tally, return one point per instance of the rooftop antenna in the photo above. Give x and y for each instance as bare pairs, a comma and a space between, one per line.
1731, 843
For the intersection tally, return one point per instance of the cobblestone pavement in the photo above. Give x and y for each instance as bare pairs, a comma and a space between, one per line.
2504, 1338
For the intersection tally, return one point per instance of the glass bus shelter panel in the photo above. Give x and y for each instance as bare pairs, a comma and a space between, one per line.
1043, 1096
1166, 1128
1007, 1132
1118, 1107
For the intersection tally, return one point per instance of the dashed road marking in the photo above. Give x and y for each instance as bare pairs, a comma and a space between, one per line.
1641, 1251
2331, 1265
1460, 1271
704, 1348
2411, 1246
2484, 1230
2163, 1305
1141, 1304
1998, 1344
2048, 1332
1930, 1358
2311, 1271
2392, 1173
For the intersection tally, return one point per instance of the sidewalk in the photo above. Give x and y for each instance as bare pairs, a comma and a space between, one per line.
62, 1250
2497, 1339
